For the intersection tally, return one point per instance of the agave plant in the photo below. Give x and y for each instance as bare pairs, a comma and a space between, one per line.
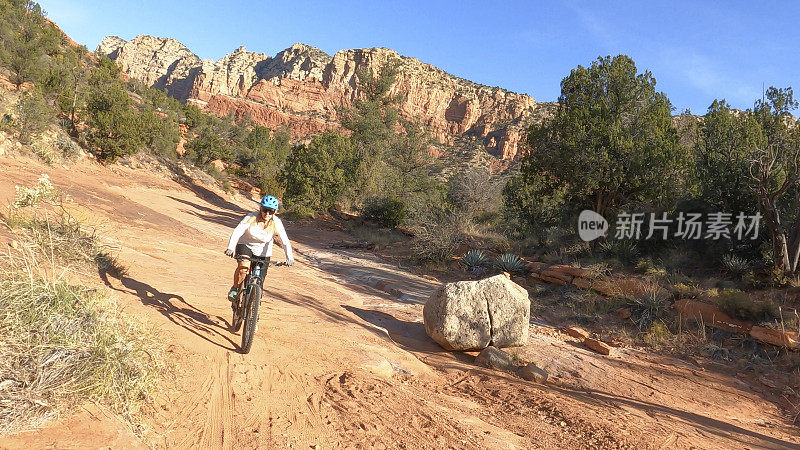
510, 263
475, 260
735, 265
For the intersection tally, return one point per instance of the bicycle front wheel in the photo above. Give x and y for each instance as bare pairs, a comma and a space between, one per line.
250, 316
238, 310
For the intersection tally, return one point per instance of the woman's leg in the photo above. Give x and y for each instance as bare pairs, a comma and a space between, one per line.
240, 273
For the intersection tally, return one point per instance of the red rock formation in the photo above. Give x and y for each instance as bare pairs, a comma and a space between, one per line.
303, 88
301, 126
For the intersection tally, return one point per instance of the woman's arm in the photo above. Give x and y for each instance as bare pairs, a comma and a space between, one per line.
287, 246
238, 232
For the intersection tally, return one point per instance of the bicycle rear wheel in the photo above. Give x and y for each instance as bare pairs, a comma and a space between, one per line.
250, 316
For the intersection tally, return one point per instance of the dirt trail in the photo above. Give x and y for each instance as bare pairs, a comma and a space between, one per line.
341, 358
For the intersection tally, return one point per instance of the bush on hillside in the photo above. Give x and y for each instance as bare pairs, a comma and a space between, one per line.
33, 116
114, 125
388, 212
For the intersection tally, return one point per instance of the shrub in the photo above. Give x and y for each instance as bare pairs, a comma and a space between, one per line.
114, 128
388, 212
740, 304
207, 147
436, 240
45, 152
59, 236
644, 265
67, 147
34, 115
318, 174
24, 196
658, 335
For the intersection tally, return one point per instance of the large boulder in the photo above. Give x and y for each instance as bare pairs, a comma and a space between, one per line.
471, 315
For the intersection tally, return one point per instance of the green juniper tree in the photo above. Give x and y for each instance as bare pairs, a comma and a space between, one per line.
114, 125
611, 143
318, 174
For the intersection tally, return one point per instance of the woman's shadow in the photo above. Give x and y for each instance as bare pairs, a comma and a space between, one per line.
175, 308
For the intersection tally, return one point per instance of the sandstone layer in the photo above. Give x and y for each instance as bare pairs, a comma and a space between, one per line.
304, 88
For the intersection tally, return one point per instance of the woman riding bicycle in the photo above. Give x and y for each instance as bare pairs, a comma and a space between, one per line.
254, 237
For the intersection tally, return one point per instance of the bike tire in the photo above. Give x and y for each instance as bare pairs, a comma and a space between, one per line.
238, 312
250, 317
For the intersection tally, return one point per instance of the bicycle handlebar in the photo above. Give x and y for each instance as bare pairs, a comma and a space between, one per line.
258, 258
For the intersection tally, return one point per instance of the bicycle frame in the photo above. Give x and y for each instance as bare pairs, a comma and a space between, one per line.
244, 308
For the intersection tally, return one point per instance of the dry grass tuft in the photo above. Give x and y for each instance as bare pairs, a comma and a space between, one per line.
64, 344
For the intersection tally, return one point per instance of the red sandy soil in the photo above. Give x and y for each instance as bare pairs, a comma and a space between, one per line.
341, 358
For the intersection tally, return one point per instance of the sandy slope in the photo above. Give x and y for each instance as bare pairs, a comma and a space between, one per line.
341, 357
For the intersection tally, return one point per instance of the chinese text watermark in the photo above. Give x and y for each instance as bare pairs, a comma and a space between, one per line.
687, 226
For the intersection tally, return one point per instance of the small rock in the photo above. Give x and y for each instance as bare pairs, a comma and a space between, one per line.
582, 283
553, 280
578, 332
776, 337
767, 382
494, 358
555, 272
533, 373
598, 346
520, 281
623, 313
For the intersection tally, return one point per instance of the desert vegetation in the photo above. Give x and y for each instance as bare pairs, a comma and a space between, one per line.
63, 343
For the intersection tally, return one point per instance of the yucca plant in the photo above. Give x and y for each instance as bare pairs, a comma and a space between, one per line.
624, 249
735, 265
510, 263
650, 307
475, 260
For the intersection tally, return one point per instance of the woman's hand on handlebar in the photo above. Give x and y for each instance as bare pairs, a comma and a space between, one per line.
229, 252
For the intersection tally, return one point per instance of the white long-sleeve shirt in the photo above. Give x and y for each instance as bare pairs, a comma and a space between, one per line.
259, 240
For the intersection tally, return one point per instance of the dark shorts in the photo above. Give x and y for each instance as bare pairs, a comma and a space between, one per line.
243, 249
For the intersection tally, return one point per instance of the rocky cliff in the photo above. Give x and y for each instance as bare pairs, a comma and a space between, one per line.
303, 88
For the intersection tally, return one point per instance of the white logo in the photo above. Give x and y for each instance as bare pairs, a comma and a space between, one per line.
591, 225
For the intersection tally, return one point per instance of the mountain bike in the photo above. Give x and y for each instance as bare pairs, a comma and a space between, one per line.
245, 307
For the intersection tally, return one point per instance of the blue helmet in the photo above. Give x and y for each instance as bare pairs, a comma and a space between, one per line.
269, 201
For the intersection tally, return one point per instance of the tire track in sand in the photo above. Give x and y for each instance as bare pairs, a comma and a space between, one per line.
217, 430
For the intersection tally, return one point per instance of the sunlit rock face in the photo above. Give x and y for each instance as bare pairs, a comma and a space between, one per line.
304, 88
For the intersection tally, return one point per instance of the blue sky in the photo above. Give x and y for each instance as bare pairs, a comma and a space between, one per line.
698, 51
